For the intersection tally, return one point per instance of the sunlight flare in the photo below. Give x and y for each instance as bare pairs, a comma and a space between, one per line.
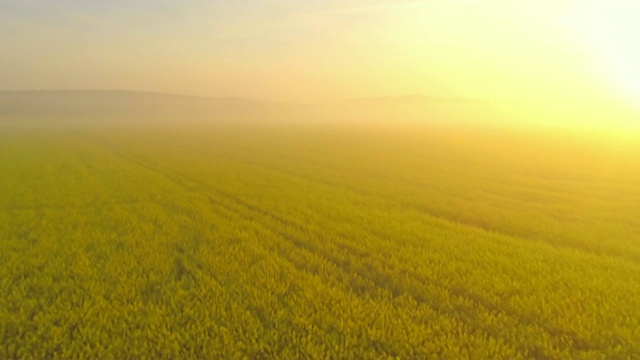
609, 33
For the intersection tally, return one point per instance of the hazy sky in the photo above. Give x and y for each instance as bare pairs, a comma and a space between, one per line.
311, 50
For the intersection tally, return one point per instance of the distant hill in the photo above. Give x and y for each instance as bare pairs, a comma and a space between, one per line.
56, 108
121, 107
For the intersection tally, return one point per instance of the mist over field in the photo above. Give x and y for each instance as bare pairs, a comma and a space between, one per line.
354, 179
116, 108
104, 108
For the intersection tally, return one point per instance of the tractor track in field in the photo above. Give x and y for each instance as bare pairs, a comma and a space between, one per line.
422, 209
301, 244
405, 180
182, 270
241, 208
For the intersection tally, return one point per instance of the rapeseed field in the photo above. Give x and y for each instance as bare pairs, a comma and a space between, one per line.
318, 242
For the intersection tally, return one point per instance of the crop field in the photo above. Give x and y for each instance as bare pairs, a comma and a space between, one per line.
318, 242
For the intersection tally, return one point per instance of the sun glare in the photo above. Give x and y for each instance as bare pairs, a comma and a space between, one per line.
609, 31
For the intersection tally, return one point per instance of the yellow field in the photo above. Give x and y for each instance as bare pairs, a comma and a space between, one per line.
318, 242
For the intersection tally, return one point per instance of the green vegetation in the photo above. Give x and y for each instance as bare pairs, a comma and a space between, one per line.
310, 242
